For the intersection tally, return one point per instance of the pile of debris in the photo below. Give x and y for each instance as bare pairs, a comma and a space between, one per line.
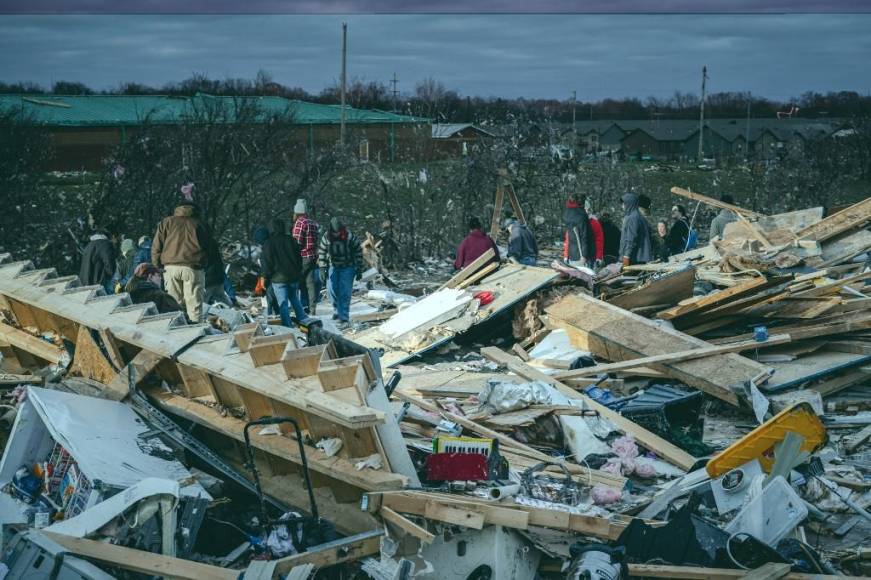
701, 418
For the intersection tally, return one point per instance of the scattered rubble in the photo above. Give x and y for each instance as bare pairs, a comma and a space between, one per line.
705, 417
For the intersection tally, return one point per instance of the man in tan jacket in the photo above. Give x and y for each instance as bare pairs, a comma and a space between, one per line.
181, 246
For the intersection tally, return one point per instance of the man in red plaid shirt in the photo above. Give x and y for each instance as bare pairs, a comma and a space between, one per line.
305, 232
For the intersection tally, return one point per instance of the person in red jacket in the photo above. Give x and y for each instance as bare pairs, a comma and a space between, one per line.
474, 245
598, 233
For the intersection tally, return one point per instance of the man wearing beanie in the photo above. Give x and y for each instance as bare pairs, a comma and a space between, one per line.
305, 232
181, 247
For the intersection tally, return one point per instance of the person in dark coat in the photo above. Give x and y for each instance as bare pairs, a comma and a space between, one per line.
679, 232
99, 262
474, 245
282, 266
143, 252
635, 239
522, 246
612, 238
579, 245
146, 285
215, 277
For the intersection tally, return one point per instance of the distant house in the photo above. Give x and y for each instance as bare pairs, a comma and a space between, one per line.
85, 129
456, 139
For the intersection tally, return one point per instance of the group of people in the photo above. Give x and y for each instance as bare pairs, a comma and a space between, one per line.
181, 267
592, 240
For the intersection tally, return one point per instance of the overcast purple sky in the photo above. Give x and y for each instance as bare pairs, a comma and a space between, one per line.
776, 56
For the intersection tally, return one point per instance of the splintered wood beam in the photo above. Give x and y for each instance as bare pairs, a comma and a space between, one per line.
701, 573
852, 217
332, 553
32, 344
714, 202
675, 357
141, 561
617, 335
469, 270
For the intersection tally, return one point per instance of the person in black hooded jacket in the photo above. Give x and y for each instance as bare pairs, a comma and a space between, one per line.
579, 243
98, 262
282, 266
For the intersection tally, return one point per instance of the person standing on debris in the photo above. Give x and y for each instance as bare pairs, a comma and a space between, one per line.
611, 233
474, 245
146, 285
635, 240
124, 265
644, 203
98, 262
180, 247
660, 246
598, 234
521, 243
263, 288
305, 232
724, 218
282, 266
578, 245
340, 258
215, 276
679, 232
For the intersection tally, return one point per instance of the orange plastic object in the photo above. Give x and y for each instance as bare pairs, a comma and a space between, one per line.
760, 443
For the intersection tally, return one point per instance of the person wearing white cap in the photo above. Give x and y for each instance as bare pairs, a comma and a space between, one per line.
305, 232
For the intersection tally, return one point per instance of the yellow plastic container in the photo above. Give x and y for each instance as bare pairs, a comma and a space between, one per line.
760, 443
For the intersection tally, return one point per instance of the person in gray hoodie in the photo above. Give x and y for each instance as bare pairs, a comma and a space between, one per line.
522, 246
635, 244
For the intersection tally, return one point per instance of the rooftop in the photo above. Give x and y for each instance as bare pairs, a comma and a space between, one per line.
116, 110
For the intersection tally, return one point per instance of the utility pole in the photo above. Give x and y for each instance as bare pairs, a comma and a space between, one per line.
747, 129
344, 79
574, 103
395, 92
702, 114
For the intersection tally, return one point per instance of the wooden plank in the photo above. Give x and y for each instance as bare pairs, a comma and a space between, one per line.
649, 440
497, 210
594, 475
839, 383
478, 276
453, 515
469, 270
140, 561
89, 361
268, 350
406, 525
196, 383
332, 553
142, 364
32, 344
675, 357
520, 351
615, 334
714, 299
279, 445
112, 350
847, 219
700, 573
858, 439
769, 571
715, 202
515, 203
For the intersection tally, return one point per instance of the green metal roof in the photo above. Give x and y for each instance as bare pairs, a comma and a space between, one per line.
131, 110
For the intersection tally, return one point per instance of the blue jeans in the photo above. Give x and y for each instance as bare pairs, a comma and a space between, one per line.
527, 261
341, 285
285, 293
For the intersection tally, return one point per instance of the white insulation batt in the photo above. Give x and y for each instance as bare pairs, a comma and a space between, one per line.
434, 309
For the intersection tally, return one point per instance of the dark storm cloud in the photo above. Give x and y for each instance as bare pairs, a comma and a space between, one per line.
423, 6
507, 55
